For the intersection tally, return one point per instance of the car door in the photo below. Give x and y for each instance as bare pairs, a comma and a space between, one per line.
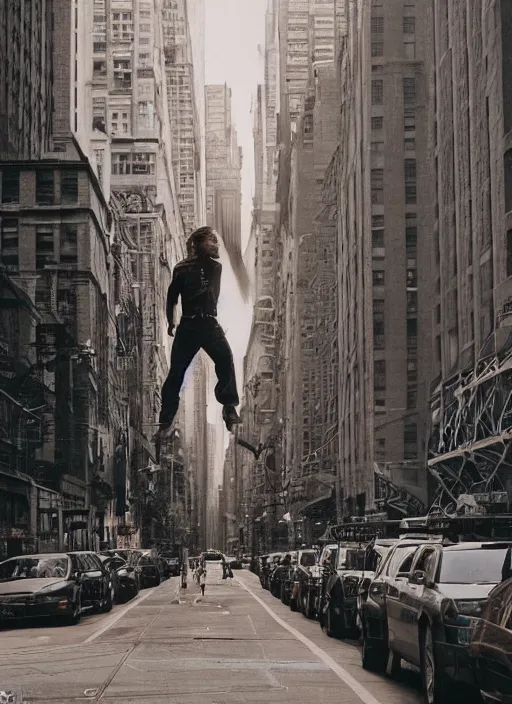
85, 583
414, 598
396, 574
403, 621
94, 578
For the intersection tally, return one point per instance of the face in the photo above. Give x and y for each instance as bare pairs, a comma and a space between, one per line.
210, 246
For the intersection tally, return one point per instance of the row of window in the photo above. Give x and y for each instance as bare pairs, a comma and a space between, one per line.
377, 183
409, 92
409, 123
45, 186
46, 252
408, 25
409, 49
136, 163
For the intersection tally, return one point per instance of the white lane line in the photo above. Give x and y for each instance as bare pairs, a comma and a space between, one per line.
112, 620
358, 689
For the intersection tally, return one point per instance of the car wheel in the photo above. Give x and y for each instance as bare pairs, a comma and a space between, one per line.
373, 658
435, 686
158, 579
293, 604
283, 594
310, 609
107, 604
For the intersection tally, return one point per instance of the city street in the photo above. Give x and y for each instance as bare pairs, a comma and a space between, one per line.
237, 644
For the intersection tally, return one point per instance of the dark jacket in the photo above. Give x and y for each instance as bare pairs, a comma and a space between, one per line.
197, 281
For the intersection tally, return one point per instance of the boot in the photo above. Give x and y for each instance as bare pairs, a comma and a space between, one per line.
230, 417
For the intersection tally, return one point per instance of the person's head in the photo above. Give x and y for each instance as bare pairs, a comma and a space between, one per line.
203, 243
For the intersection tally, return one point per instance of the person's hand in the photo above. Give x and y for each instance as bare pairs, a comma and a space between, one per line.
170, 330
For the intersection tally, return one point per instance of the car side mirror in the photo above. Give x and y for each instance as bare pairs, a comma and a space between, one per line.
417, 577
78, 576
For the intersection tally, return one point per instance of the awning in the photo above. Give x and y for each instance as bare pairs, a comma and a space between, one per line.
316, 502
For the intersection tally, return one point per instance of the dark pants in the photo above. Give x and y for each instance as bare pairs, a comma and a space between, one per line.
191, 336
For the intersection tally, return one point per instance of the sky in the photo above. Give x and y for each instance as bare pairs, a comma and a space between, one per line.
234, 35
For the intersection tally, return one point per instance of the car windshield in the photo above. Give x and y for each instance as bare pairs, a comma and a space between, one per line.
482, 566
355, 560
308, 559
34, 568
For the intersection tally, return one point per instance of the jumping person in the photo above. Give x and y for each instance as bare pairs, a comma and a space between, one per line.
197, 280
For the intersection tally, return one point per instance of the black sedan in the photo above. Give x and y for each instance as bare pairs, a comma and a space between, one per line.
126, 578
148, 564
34, 586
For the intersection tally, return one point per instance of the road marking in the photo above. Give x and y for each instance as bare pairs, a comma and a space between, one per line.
358, 689
112, 620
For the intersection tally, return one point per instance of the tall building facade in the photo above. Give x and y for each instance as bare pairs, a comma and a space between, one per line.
472, 255
223, 168
26, 61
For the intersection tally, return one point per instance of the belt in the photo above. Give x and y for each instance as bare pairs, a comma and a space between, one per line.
198, 315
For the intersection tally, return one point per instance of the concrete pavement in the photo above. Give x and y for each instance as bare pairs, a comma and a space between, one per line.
236, 645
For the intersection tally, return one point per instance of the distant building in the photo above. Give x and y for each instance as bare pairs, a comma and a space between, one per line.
223, 168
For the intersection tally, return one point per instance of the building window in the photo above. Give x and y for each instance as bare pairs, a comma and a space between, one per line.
410, 181
377, 220
143, 163
409, 25
377, 186
410, 440
412, 327
377, 25
378, 277
409, 123
99, 70
68, 244
509, 252
10, 244
412, 371
44, 187
99, 114
409, 92
377, 239
146, 115
44, 246
377, 91
308, 124
69, 187
122, 74
411, 240
377, 147
120, 122
412, 397
409, 145
377, 48
377, 123
379, 375
10, 185
412, 278
99, 47
412, 302
121, 164
410, 50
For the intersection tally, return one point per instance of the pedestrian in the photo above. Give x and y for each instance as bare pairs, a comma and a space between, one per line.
197, 280
202, 581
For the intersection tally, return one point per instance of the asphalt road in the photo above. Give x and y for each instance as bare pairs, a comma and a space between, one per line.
237, 645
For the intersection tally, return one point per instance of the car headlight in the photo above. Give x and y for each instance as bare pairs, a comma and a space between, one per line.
460, 617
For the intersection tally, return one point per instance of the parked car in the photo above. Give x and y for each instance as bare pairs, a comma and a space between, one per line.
97, 590
372, 604
35, 586
339, 612
280, 573
234, 562
311, 581
491, 646
212, 556
173, 565
125, 578
269, 563
431, 615
149, 567
305, 559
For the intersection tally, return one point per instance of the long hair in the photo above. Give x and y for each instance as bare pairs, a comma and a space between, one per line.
196, 238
